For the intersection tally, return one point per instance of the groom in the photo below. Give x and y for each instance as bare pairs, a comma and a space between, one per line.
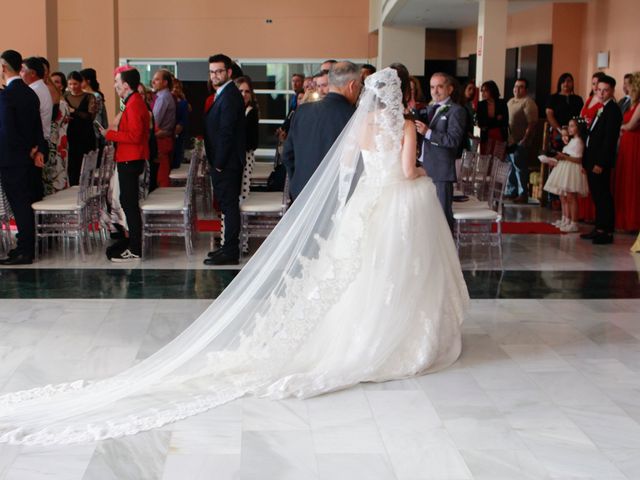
443, 132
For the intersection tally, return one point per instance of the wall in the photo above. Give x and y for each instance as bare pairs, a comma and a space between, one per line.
611, 25
528, 27
568, 33
199, 28
578, 31
40, 38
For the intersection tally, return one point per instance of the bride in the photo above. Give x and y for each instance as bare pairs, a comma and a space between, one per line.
359, 282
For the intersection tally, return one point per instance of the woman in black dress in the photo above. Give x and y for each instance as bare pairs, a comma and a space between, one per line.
80, 133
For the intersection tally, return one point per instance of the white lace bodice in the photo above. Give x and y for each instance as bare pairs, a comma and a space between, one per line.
382, 168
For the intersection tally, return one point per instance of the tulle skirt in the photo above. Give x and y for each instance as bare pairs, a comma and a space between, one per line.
567, 177
401, 315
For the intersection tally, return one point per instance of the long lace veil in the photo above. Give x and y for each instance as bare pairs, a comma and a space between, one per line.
242, 342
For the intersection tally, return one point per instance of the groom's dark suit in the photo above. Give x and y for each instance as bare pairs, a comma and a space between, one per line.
224, 143
439, 152
20, 131
602, 145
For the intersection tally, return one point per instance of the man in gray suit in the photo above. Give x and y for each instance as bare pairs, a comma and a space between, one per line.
444, 131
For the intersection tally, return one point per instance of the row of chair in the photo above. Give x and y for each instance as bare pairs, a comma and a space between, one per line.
76, 212
478, 220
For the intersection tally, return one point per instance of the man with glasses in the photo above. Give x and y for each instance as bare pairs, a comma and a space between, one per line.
224, 142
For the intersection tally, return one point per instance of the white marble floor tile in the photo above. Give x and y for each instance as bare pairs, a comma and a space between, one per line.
504, 465
202, 467
626, 460
215, 432
49, 463
135, 457
279, 455
569, 456
349, 466
260, 414
608, 427
537, 358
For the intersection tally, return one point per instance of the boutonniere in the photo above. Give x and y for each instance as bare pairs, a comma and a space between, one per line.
600, 110
445, 109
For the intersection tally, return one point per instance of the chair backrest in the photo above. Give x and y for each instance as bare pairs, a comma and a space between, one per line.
500, 150
191, 178
467, 165
107, 167
87, 175
482, 166
499, 178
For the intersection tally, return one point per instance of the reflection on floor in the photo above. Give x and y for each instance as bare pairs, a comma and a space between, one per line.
548, 385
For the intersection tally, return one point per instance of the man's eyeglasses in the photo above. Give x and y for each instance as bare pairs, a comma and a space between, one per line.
217, 72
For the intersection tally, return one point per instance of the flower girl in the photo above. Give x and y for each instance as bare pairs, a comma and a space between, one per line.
568, 179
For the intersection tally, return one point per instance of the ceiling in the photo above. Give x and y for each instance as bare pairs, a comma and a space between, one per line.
448, 13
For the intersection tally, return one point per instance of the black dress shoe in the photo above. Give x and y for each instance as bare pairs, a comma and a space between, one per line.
13, 252
589, 235
17, 259
603, 239
222, 259
215, 253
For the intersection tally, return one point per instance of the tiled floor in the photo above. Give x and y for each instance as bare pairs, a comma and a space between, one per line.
548, 385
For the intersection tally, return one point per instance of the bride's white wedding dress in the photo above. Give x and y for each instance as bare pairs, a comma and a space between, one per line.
359, 282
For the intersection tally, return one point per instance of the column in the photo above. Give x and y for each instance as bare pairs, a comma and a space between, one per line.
101, 50
492, 41
401, 45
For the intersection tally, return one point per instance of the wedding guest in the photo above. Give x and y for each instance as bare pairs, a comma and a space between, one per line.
59, 80
22, 148
492, 116
568, 179
225, 147
586, 208
297, 85
444, 133
182, 122
469, 100
32, 73
523, 116
164, 116
53, 90
252, 116
90, 85
54, 172
308, 84
416, 98
592, 104
562, 106
80, 133
321, 80
132, 140
328, 65
598, 160
366, 70
627, 171
625, 102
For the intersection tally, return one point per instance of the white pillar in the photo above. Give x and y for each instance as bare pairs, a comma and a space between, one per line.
401, 45
492, 42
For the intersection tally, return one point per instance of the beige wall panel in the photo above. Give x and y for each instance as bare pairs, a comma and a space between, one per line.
198, 28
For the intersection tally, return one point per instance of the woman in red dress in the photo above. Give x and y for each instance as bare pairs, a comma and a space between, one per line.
586, 208
627, 170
